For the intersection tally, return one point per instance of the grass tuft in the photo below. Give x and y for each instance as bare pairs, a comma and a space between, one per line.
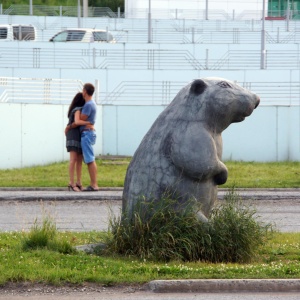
236, 235
45, 236
163, 231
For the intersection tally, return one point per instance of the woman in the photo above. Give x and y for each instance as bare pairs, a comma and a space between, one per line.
73, 143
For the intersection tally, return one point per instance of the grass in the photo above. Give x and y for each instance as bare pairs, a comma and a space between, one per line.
163, 230
112, 174
45, 261
278, 258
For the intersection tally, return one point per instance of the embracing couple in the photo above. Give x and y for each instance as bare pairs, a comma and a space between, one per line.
81, 137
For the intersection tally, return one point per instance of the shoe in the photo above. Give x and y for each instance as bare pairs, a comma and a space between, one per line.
90, 189
79, 186
74, 188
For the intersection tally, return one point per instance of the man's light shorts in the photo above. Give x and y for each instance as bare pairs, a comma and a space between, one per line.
88, 139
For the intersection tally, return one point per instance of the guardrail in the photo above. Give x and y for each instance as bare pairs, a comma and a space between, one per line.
98, 59
62, 91
38, 90
162, 93
168, 31
145, 59
182, 31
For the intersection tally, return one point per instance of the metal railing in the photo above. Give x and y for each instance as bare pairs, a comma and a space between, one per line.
99, 59
162, 93
168, 31
145, 59
62, 91
38, 90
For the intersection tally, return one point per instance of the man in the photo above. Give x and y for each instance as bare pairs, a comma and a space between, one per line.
88, 134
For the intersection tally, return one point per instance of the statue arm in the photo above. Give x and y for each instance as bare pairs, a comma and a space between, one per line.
195, 154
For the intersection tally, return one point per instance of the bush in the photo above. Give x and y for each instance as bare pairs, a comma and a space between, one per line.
165, 231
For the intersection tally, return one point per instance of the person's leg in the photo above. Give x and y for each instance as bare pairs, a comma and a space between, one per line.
92, 167
72, 163
79, 170
88, 139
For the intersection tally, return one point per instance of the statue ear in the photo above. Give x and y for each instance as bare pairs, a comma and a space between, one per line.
198, 87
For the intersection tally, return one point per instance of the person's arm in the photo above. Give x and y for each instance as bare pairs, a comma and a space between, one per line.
80, 119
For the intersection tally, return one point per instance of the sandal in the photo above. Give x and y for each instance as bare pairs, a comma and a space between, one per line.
90, 189
74, 188
79, 186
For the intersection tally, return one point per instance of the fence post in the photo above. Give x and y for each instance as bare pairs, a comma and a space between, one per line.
278, 38
1, 9
288, 16
263, 40
96, 91
78, 14
193, 35
206, 59
94, 58
119, 12
149, 23
30, 8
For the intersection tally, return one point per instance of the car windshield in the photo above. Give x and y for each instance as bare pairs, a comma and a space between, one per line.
3, 33
69, 36
102, 36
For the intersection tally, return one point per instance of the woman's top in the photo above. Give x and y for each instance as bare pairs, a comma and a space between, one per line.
73, 142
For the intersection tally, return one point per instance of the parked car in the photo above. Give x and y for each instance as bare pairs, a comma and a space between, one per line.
83, 35
11, 32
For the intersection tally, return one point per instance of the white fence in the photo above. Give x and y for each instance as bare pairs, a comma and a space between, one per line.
169, 31
141, 93
38, 90
36, 133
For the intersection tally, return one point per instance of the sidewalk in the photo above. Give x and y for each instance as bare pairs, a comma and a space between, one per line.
30, 194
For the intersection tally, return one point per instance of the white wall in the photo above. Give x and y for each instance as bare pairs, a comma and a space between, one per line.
33, 134
269, 134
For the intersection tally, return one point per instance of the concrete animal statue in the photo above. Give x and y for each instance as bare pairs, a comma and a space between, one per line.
181, 153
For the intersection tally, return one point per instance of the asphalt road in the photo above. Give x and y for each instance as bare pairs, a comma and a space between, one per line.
91, 210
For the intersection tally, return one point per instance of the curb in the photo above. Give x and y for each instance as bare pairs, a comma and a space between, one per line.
224, 285
60, 194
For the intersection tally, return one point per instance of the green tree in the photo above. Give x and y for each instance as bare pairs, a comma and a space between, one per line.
112, 4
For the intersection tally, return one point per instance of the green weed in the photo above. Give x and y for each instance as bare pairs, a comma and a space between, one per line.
161, 230
44, 236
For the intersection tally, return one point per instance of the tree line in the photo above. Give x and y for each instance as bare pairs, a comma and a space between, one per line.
112, 4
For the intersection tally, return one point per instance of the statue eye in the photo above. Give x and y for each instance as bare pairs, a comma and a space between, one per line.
224, 84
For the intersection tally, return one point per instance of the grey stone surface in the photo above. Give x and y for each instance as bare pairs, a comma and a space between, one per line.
181, 154
225, 285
